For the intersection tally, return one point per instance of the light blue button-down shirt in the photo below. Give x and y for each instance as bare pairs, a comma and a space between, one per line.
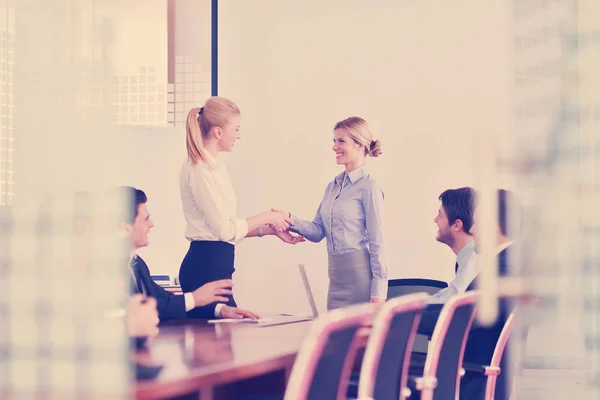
350, 216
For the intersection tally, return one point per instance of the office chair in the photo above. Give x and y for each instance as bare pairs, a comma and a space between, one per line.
402, 287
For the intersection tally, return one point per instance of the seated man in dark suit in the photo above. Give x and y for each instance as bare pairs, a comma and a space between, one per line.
170, 306
482, 339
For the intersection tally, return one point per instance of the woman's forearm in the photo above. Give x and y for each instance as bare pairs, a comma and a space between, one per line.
255, 222
265, 231
273, 219
309, 229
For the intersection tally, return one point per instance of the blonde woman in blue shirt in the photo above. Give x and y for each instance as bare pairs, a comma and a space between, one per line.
350, 217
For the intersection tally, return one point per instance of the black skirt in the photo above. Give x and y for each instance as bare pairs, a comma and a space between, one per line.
206, 261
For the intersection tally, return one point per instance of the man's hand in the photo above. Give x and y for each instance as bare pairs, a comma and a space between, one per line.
212, 292
142, 316
376, 300
237, 313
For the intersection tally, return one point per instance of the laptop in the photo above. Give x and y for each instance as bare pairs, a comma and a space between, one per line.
281, 319
271, 319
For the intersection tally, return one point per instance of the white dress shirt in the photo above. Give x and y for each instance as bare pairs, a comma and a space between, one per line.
462, 280
466, 272
477, 265
209, 203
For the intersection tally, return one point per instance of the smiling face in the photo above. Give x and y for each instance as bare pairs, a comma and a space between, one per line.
347, 151
444, 232
229, 133
140, 228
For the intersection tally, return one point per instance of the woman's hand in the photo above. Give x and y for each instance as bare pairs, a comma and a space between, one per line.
286, 213
288, 237
277, 221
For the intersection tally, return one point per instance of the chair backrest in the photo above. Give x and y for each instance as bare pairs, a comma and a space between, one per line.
403, 287
444, 359
385, 364
493, 370
323, 365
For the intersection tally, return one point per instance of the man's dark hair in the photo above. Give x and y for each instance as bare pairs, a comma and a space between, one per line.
509, 213
133, 197
459, 204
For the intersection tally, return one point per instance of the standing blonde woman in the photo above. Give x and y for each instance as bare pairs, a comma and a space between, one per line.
209, 202
350, 217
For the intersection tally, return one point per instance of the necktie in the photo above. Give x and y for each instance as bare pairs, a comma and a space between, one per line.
456, 267
136, 283
140, 285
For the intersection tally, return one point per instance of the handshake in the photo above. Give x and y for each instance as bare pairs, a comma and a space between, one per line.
279, 222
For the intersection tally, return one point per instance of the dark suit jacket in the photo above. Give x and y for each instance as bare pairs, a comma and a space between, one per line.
480, 343
170, 306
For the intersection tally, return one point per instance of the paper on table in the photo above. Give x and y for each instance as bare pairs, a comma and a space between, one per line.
234, 320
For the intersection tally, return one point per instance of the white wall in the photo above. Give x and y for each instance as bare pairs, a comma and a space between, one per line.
158, 154
427, 76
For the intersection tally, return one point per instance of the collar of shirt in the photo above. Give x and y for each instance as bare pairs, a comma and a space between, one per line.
464, 255
468, 271
499, 249
212, 161
503, 246
353, 176
467, 268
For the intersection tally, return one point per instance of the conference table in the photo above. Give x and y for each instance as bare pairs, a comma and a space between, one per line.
221, 361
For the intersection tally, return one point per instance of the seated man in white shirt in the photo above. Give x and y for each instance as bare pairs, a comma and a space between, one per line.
209, 297
482, 340
454, 220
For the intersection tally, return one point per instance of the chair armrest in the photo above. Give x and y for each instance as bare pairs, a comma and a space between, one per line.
482, 369
422, 382
492, 371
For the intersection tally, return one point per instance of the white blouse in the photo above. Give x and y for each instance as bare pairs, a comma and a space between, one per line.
209, 204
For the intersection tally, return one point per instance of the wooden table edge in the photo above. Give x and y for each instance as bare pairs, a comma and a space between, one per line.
191, 383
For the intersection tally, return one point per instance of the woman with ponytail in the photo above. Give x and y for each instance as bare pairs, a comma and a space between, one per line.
350, 216
209, 202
